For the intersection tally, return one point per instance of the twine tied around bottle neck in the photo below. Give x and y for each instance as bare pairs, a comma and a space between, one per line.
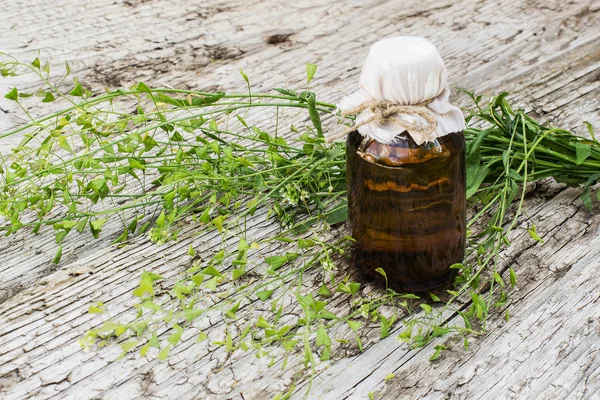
384, 111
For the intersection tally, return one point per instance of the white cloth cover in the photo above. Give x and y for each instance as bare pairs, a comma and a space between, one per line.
404, 70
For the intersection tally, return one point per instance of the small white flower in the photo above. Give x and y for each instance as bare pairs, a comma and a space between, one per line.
364, 310
328, 265
290, 195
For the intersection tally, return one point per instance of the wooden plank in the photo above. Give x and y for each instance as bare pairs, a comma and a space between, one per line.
366, 371
547, 56
549, 349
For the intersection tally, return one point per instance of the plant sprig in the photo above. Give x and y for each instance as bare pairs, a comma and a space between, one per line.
158, 158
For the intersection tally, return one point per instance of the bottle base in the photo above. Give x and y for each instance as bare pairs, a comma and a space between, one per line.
423, 286
408, 285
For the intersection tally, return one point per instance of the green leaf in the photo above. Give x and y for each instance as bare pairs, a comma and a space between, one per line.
153, 342
475, 173
311, 69
229, 342
286, 92
64, 144
77, 90
136, 164
505, 158
12, 95
305, 243
405, 335
582, 151
160, 221
176, 335
514, 191
97, 308
385, 325
96, 226
590, 129
149, 304
146, 284
196, 101
237, 273
48, 98
533, 233
311, 100
263, 323
354, 325
437, 352
252, 205
350, 288
212, 271
191, 314
60, 235
409, 296
181, 290
340, 214
218, 223
276, 262
515, 175
98, 185
324, 291
142, 87
498, 279
381, 272
244, 76
164, 353
359, 343
198, 279
477, 179
426, 308
586, 198
233, 310
57, 255
513, 277
243, 245
213, 127
140, 328
36, 63
127, 346
211, 284
323, 340
191, 252
144, 350
264, 295
65, 224
242, 120
389, 376
202, 337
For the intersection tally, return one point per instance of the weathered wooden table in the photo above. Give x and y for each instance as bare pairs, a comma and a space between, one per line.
545, 52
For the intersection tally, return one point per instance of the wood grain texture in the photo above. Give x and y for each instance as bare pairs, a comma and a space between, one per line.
546, 53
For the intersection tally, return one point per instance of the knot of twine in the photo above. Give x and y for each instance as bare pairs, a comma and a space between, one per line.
383, 112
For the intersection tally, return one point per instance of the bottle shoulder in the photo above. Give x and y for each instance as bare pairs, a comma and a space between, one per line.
404, 150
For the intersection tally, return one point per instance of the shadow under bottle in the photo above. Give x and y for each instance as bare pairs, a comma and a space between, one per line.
407, 206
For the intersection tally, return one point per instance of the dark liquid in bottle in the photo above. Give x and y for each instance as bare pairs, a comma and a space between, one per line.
407, 209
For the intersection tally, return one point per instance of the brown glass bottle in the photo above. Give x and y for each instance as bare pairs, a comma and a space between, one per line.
407, 209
